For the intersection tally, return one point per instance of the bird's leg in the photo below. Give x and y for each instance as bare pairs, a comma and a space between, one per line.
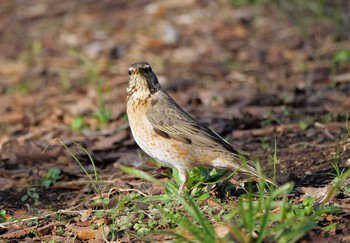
183, 178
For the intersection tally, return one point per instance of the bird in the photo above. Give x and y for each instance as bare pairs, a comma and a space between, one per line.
167, 133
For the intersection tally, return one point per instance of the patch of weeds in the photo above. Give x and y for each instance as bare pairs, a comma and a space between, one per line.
340, 182
31, 193
303, 124
346, 187
344, 140
101, 202
270, 215
23, 87
64, 80
51, 178
99, 213
258, 217
124, 118
327, 118
338, 174
194, 224
231, 62
140, 174
93, 180
304, 68
347, 125
262, 214
94, 226
142, 227
30, 57
33, 222
340, 59
337, 171
127, 215
285, 111
198, 179
169, 200
274, 159
315, 13
119, 218
264, 142
78, 124
60, 230
188, 219
266, 123
2, 215
36, 48
330, 227
103, 115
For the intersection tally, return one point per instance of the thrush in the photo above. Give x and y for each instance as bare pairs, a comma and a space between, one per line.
167, 133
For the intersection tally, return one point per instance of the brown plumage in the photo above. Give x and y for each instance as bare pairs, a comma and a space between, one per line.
168, 134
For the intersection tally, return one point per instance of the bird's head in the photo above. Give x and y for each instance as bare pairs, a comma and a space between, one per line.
142, 79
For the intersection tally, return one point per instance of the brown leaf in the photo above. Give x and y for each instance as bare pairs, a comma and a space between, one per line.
6, 183
20, 214
8, 68
107, 143
222, 230
86, 214
11, 117
87, 234
47, 228
18, 233
322, 194
17, 151
84, 224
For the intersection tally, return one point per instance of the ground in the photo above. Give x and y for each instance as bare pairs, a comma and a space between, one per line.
271, 78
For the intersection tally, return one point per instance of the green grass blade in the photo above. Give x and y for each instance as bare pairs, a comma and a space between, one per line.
198, 215
297, 233
93, 182
140, 174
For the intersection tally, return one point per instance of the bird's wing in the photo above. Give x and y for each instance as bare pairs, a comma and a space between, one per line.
170, 121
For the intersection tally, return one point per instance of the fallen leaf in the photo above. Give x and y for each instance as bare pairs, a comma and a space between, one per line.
110, 142
86, 214
18, 233
6, 183
47, 228
87, 234
321, 194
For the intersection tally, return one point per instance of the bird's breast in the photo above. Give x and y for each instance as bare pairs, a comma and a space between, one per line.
166, 150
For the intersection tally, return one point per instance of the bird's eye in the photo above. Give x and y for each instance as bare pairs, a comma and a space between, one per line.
129, 73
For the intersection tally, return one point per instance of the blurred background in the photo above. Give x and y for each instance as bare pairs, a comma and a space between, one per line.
236, 65
64, 64
267, 75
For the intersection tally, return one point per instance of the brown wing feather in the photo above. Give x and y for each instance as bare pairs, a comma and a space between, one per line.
167, 117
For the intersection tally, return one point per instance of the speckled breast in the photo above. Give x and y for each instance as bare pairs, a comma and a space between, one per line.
167, 151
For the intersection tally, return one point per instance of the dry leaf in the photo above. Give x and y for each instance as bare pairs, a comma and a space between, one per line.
18, 233
86, 214
87, 234
321, 194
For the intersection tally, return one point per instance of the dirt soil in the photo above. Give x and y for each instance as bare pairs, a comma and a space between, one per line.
249, 72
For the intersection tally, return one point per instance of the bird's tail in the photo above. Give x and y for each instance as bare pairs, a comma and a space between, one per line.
246, 168
251, 170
